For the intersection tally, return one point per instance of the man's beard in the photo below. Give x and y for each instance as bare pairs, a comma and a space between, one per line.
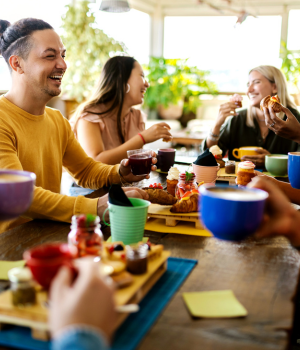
51, 92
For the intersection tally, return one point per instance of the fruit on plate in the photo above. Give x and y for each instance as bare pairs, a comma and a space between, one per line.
156, 185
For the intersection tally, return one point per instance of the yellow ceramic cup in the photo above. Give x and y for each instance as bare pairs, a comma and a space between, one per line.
245, 151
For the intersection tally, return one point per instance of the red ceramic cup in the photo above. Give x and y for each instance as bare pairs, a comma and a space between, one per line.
45, 260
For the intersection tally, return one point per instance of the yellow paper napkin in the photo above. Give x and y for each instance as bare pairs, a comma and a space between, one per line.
5, 266
219, 303
183, 228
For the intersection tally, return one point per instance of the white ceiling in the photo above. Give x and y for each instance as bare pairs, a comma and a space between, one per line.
214, 7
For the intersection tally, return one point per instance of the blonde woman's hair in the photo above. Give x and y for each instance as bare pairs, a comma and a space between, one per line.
111, 88
275, 76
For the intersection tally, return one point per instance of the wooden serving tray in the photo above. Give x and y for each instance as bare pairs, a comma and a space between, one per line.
163, 212
36, 316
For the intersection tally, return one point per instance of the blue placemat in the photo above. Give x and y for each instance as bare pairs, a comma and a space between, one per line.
135, 327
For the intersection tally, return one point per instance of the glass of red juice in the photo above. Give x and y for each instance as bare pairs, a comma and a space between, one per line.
140, 161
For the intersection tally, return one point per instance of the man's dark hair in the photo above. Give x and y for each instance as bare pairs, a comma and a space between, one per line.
15, 38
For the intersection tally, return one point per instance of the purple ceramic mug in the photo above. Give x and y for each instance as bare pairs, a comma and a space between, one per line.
165, 158
16, 192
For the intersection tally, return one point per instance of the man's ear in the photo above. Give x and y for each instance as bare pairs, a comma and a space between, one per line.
16, 64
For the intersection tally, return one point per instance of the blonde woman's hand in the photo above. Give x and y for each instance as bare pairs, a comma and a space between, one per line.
289, 129
226, 109
258, 159
156, 132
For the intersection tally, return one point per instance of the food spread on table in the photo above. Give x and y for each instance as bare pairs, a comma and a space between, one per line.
172, 180
159, 196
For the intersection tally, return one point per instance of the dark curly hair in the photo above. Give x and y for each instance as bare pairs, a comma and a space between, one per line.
15, 38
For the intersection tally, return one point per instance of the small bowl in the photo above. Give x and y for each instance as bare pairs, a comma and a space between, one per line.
277, 164
45, 260
231, 213
16, 193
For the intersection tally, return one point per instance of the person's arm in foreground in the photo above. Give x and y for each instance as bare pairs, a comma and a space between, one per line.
90, 138
280, 217
82, 315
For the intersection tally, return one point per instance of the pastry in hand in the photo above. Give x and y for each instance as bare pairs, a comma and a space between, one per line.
237, 99
158, 196
245, 173
172, 180
187, 204
273, 102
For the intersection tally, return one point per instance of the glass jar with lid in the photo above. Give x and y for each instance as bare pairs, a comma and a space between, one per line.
137, 258
186, 182
22, 286
86, 235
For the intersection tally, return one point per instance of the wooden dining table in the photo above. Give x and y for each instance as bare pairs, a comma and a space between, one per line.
263, 274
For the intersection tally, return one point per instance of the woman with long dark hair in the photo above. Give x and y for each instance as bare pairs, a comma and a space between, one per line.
106, 125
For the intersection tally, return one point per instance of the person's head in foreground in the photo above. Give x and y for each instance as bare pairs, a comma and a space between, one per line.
35, 56
122, 84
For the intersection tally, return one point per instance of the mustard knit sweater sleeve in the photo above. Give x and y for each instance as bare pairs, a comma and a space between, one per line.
43, 144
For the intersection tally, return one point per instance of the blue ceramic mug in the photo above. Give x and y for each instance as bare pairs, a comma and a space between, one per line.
294, 169
231, 213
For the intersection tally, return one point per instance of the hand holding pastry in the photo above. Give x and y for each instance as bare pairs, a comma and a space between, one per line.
237, 99
258, 159
289, 129
272, 102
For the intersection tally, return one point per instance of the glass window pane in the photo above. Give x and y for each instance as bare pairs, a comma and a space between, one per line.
213, 43
293, 42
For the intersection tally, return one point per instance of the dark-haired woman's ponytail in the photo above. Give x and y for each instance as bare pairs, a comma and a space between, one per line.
3, 26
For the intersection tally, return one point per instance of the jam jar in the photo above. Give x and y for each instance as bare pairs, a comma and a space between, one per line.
230, 167
186, 182
137, 259
86, 235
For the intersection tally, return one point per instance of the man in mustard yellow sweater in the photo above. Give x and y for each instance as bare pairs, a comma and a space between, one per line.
39, 139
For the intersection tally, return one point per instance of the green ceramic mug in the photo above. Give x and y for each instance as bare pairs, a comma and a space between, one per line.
276, 164
127, 224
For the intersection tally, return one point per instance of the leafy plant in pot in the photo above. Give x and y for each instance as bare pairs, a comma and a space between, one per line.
175, 87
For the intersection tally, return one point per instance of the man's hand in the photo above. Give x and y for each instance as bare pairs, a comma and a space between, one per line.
125, 170
289, 129
280, 217
258, 159
132, 192
89, 300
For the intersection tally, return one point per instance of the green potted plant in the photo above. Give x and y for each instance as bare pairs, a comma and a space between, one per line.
291, 69
88, 48
175, 87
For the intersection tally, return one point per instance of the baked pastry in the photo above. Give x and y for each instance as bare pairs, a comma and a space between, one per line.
245, 173
187, 204
273, 102
172, 180
158, 196
217, 152
237, 99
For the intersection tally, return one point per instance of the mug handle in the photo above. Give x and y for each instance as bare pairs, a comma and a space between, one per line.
238, 153
104, 217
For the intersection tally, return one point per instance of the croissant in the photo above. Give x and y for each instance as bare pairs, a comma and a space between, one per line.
273, 102
159, 196
186, 206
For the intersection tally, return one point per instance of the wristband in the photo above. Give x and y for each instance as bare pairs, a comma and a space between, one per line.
142, 138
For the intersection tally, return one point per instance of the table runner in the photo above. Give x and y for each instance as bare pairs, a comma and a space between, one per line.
130, 334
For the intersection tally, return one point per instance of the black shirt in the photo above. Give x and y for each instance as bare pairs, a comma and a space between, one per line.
235, 134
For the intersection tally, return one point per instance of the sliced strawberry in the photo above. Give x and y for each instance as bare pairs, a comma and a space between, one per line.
151, 186
195, 191
187, 194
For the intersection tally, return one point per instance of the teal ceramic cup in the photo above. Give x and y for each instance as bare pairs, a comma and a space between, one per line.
277, 164
127, 224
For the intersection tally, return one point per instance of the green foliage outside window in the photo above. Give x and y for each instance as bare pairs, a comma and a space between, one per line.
172, 80
290, 65
88, 48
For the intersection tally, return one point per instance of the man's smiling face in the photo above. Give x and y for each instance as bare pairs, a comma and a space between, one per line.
45, 64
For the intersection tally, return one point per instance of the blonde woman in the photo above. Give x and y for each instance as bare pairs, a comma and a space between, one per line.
106, 125
249, 127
